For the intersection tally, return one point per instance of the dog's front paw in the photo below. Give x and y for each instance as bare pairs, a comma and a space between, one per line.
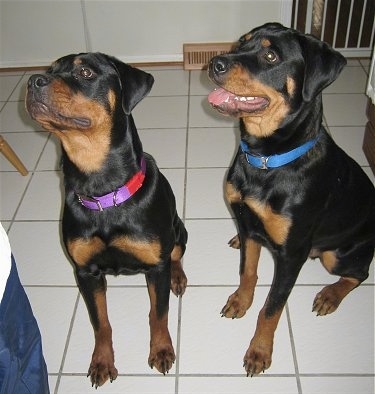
237, 305
257, 359
101, 371
178, 279
162, 358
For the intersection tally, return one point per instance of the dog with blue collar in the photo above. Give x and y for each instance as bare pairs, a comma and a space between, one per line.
290, 187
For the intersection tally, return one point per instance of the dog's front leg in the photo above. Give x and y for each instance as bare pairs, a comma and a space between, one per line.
258, 356
102, 365
240, 301
162, 355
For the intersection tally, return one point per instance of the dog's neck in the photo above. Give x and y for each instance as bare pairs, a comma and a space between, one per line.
121, 163
302, 126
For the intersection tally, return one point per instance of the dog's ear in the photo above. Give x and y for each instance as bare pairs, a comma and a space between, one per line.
322, 65
135, 84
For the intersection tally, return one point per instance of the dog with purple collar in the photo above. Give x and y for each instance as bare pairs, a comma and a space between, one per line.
120, 212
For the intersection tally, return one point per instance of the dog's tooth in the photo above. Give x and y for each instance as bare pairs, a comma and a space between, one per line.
250, 98
236, 98
243, 99
227, 100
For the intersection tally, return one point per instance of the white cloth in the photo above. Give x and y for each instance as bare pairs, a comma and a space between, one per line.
5, 260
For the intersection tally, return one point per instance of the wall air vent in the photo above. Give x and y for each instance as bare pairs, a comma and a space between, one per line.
197, 56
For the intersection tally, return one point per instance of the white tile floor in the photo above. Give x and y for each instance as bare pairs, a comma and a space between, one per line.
194, 147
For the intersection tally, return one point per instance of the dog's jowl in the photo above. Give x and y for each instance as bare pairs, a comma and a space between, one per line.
119, 213
291, 188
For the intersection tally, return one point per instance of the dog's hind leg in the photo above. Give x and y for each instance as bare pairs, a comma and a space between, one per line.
178, 277
352, 266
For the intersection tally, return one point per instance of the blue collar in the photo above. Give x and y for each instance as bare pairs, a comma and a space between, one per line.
274, 161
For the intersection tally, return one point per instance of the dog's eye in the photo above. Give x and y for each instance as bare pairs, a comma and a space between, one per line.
270, 56
86, 73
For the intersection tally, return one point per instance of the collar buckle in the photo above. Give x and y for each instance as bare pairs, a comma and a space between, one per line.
264, 161
82, 199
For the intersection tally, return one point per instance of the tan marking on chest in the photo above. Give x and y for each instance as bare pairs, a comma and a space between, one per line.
147, 252
276, 225
83, 250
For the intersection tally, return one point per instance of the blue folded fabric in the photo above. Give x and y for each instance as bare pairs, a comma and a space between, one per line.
22, 366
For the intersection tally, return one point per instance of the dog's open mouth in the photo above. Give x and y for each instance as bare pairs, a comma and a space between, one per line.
231, 104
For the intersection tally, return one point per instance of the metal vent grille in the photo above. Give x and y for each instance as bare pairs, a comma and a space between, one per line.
197, 56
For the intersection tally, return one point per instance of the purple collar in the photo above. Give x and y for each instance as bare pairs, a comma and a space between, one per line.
118, 196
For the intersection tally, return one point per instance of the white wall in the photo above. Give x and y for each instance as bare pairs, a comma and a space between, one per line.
36, 32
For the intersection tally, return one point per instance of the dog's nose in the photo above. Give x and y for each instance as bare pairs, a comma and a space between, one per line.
220, 64
38, 81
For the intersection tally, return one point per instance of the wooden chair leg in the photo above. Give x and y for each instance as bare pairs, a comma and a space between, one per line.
8, 152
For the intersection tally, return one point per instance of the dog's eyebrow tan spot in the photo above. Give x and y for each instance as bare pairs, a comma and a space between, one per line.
247, 36
265, 43
77, 61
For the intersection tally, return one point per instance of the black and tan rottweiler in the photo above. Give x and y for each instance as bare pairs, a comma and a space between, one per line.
120, 213
291, 188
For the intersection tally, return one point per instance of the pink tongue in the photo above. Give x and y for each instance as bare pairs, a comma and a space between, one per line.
228, 103
219, 96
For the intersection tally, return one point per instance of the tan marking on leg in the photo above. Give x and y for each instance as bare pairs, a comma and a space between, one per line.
328, 300
162, 354
240, 301
176, 253
147, 252
82, 250
232, 195
329, 260
178, 277
258, 356
235, 242
276, 226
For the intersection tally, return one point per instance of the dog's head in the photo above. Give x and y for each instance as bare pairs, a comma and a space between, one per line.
78, 92
272, 74
81, 96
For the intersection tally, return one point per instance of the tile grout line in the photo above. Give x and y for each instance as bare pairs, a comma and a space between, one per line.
294, 350
179, 319
32, 173
60, 372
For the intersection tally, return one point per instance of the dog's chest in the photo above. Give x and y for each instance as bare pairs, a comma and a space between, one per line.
122, 254
274, 225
